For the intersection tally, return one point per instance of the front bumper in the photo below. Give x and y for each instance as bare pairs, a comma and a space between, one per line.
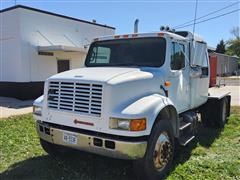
94, 144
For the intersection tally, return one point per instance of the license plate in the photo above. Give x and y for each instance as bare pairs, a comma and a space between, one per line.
69, 138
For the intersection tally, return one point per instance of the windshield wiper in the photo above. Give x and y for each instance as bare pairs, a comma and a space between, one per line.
133, 64
124, 64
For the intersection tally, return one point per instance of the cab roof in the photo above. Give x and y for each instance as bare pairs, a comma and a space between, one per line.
183, 35
140, 35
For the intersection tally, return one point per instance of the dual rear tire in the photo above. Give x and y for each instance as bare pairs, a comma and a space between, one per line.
215, 112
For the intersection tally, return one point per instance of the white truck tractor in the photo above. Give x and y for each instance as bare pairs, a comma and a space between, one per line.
138, 96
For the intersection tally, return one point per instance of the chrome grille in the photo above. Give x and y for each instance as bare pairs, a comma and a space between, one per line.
83, 98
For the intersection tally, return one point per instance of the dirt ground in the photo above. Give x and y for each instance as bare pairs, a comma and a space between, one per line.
231, 84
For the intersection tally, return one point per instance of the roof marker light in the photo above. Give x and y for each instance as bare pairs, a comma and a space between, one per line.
125, 36
117, 37
161, 34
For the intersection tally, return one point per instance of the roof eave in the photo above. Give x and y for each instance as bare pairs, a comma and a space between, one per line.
54, 14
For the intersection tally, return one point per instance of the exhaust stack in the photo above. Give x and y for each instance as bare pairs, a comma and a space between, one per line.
136, 26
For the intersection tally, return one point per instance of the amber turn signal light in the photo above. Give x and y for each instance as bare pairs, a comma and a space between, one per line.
138, 124
167, 84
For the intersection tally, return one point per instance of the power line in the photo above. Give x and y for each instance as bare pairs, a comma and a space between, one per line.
215, 17
213, 12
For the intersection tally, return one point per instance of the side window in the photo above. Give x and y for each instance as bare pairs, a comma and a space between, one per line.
100, 55
177, 56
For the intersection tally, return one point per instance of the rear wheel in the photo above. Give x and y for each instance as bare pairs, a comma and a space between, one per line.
215, 112
159, 155
222, 118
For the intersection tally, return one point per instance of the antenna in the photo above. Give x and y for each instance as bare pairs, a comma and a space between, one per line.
194, 24
195, 17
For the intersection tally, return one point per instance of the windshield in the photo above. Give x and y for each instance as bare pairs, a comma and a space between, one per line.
127, 52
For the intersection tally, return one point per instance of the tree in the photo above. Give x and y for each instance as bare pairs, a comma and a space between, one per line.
221, 47
235, 32
233, 47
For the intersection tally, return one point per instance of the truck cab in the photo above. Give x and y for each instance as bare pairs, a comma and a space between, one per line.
137, 95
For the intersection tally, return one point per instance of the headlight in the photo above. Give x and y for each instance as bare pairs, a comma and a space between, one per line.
128, 124
37, 110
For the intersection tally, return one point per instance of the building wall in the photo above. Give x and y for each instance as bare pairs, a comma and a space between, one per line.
38, 29
233, 64
24, 30
22, 70
226, 65
10, 47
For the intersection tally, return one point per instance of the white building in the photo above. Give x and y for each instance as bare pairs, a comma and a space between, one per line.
36, 44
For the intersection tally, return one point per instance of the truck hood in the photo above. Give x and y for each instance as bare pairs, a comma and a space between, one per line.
103, 74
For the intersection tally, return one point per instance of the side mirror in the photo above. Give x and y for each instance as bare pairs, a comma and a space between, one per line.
199, 55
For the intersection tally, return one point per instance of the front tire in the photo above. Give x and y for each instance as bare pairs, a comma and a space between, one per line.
159, 155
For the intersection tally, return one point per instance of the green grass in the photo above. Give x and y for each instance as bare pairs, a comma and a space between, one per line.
215, 154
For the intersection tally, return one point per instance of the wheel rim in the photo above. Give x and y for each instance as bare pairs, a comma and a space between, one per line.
162, 152
224, 112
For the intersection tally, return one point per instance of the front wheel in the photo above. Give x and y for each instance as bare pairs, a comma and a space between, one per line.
159, 155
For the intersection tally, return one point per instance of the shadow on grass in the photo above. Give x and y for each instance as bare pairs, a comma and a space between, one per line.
80, 165
84, 166
205, 137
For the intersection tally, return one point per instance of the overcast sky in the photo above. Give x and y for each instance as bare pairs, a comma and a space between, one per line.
151, 14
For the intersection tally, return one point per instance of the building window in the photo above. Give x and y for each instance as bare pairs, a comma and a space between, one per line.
45, 53
177, 56
63, 65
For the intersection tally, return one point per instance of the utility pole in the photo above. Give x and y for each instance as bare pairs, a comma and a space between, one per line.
195, 16
15, 2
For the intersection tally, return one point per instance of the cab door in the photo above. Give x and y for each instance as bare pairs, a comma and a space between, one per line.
179, 91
